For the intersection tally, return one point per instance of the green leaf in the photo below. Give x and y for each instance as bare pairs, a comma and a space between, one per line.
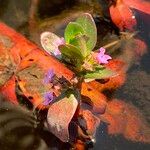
80, 43
72, 30
49, 41
100, 74
87, 23
73, 53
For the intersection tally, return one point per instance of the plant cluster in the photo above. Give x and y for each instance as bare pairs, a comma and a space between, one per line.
76, 50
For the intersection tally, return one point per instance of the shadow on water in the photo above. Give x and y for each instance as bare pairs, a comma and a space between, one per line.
47, 9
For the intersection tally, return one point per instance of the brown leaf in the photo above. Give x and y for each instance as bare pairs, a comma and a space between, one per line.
8, 90
93, 97
30, 82
7, 65
60, 115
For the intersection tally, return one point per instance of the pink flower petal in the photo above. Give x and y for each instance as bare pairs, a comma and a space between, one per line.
59, 42
102, 51
101, 57
57, 52
107, 57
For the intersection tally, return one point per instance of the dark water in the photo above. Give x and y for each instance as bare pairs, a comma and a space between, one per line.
136, 90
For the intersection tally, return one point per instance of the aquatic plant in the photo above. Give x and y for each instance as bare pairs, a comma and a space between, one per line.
76, 50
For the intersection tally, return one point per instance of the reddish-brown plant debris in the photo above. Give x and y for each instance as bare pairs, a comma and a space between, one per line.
127, 120
122, 15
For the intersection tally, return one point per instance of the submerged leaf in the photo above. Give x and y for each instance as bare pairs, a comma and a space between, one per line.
91, 120
93, 97
7, 66
88, 24
30, 82
59, 116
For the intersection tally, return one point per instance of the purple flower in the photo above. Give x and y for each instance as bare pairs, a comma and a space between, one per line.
48, 98
58, 42
102, 57
49, 76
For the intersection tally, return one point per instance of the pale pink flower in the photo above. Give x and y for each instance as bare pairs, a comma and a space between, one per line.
102, 57
59, 42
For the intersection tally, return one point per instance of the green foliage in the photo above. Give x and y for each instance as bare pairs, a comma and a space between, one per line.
82, 34
80, 43
80, 37
72, 30
72, 53
100, 73
87, 23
